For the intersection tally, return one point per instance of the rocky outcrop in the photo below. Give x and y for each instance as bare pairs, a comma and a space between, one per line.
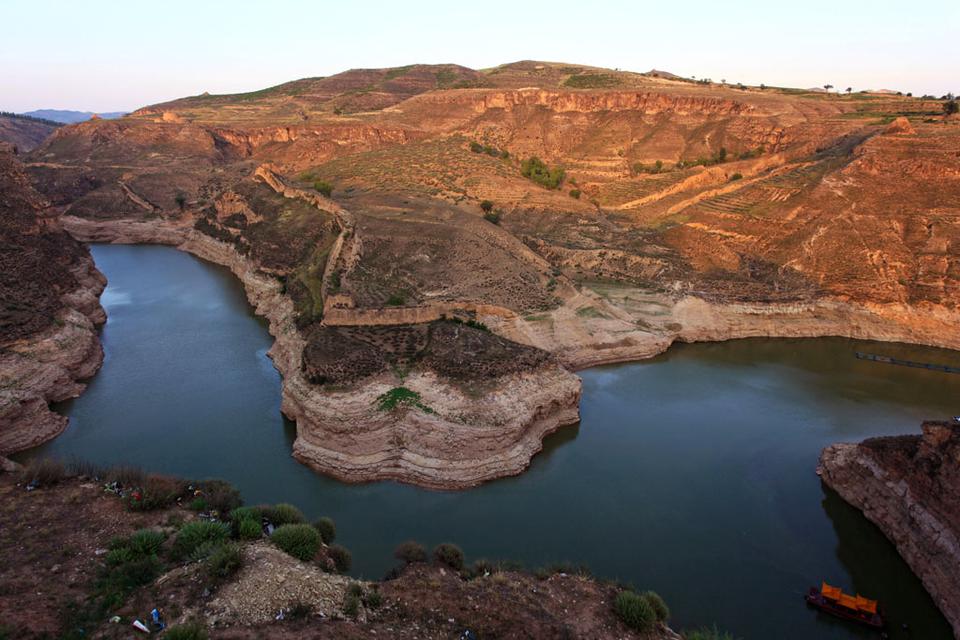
49, 312
909, 486
463, 438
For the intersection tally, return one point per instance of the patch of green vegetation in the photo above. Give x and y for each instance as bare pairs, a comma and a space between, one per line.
301, 541
589, 312
449, 555
189, 631
401, 397
708, 633
735, 177
492, 216
537, 170
718, 157
342, 558
591, 81
656, 167
326, 528
575, 194
635, 611
446, 77
396, 299
410, 551
199, 539
324, 187
396, 72
224, 561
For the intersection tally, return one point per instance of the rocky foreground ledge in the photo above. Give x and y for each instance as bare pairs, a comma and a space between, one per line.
909, 486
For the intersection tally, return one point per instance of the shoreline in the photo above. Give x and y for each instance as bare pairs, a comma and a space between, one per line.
367, 439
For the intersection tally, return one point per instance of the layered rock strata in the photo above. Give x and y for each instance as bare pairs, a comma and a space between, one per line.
909, 486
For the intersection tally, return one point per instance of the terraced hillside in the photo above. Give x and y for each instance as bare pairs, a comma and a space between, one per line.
589, 214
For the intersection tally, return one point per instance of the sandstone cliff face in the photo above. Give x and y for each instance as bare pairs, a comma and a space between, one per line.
909, 486
49, 290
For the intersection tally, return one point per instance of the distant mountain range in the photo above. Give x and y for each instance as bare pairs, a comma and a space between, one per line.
69, 117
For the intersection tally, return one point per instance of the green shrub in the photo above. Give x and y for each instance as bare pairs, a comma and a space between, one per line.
537, 170
299, 540
410, 551
449, 555
355, 589
181, 200
189, 631
221, 496
327, 529
373, 599
735, 177
224, 561
476, 147
656, 603
145, 542
198, 504
193, 535
591, 81
245, 513
323, 187
342, 559
487, 205
287, 514
575, 194
249, 529
707, 633
951, 107
396, 300
401, 397
351, 605
492, 216
635, 611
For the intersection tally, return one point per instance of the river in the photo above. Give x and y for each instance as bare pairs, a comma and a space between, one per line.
691, 473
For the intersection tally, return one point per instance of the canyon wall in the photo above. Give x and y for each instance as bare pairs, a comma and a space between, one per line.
909, 486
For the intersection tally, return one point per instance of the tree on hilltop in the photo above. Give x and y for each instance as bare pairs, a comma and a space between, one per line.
827, 87
849, 90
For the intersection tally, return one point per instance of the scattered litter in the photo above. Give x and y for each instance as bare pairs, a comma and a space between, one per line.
468, 635
34, 484
158, 623
139, 626
279, 615
115, 619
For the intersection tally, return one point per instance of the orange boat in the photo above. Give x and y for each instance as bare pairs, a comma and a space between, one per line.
834, 601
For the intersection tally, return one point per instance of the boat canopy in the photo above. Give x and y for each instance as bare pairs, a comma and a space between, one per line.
855, 603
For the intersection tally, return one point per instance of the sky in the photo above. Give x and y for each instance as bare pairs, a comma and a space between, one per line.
108, 55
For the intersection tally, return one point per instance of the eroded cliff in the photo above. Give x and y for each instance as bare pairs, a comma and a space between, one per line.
909, 486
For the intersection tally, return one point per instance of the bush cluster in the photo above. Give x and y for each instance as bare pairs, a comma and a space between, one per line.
640, 611
326, 528
325, 188
342, 559
410, 551
298, 540
199, 539
537, 170
476, 147
449, 555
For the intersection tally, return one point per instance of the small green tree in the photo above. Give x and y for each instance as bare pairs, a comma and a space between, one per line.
342, 558
410, 551
487, 206
951, 107
325, 188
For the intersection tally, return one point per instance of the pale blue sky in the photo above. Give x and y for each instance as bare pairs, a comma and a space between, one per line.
110, 55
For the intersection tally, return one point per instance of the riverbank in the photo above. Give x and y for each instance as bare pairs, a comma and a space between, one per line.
73, 575
908, 486
342, 434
